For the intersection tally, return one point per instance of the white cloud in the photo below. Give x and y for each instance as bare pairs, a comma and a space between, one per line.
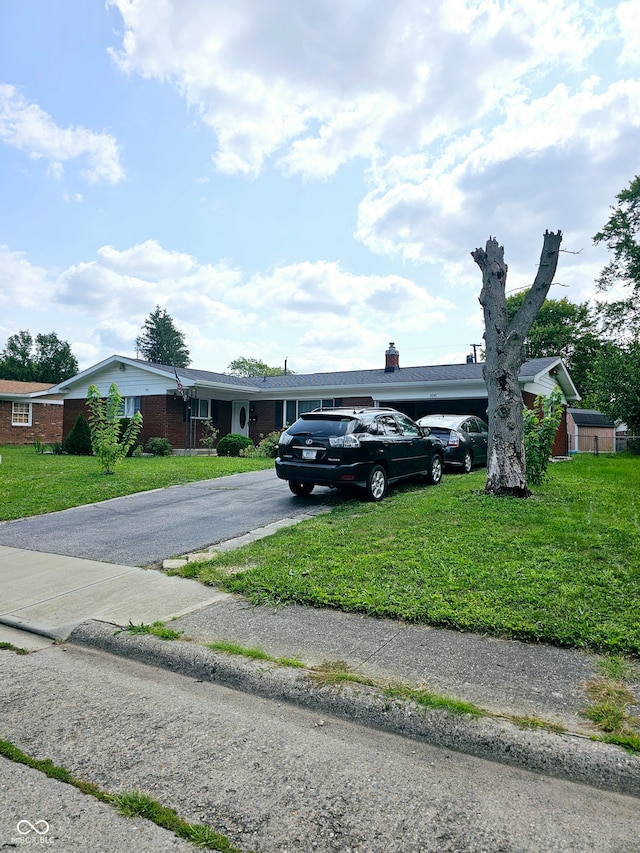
23, 284
629, 19
317, 84
29, 128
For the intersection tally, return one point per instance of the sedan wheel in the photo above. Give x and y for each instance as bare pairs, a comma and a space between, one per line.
467, 464
435, 472
376, 487
300, 489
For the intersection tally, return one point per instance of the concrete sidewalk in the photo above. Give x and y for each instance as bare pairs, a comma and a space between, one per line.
80, 601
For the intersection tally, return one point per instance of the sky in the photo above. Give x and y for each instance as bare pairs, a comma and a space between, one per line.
303, 181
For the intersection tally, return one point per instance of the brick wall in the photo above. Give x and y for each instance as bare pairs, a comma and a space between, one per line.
46, 424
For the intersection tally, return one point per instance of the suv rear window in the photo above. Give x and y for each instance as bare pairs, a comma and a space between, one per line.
323, 427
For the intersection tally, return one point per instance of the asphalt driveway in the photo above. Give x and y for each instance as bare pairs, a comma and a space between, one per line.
147, 527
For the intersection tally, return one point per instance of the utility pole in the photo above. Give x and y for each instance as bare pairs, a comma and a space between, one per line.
475, 354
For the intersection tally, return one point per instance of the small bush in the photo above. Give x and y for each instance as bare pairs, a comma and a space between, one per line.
540, 426
159, 446
231, 445
78, 442
210, 434
633, 446
267, 446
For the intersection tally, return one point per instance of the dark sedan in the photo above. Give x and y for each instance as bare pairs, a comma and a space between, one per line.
465, 437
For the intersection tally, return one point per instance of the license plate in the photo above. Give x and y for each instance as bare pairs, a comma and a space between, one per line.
308, 453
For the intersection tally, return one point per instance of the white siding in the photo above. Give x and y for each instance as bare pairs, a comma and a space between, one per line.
131, 382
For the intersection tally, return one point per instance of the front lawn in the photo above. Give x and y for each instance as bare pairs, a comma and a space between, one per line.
33, 483
561, 567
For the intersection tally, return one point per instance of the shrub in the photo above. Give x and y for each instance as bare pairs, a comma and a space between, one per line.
633, 446
210, 434
107, 441
78, 442
231, 445
267, 446
159, 446
124, 426
539, 433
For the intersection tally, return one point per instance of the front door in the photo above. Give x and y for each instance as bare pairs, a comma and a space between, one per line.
240, 418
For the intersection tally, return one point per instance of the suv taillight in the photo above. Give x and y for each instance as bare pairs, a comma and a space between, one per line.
343, 441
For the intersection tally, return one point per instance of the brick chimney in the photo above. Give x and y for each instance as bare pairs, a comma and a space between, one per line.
391, 359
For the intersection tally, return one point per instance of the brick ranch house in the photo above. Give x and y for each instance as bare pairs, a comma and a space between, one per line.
174, 404
29, 412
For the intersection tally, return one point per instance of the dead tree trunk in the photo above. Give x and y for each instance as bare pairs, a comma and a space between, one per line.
506, 473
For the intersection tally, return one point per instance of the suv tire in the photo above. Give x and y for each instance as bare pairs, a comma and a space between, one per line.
301, 490
376, 487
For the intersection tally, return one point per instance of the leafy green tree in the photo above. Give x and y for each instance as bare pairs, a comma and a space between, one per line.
109, 446
47, 359
160, 341
243, 366
620, 235
16, 359
54, 360
565, 329
616, 383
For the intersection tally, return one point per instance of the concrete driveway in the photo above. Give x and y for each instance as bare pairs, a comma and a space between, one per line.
147, 527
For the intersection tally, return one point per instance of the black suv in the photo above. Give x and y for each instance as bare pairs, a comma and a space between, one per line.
368, 448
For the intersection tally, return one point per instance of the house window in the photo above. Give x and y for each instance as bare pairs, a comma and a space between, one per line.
201, 408
130, 405
21, 414
288, 411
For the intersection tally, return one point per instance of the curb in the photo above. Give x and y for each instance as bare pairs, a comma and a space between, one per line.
575, 758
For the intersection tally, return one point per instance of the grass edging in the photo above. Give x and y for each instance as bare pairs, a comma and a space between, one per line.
611, 700
128, 803
9, 647
336, 673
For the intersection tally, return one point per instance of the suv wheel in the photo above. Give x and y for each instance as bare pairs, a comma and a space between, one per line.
300, 489
435, 472
376, 487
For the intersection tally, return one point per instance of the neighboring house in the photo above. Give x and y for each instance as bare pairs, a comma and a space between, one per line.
589, 431
174, 403
29, 412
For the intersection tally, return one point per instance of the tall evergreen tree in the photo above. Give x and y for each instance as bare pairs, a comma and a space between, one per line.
160, 341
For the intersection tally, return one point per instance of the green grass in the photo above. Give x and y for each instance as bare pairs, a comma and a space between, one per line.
231, 648
32, 483
561, 567
156, 629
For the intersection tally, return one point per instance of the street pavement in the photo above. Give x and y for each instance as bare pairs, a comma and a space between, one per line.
45, 597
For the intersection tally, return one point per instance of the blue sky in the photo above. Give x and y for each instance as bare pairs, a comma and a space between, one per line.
302, 181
